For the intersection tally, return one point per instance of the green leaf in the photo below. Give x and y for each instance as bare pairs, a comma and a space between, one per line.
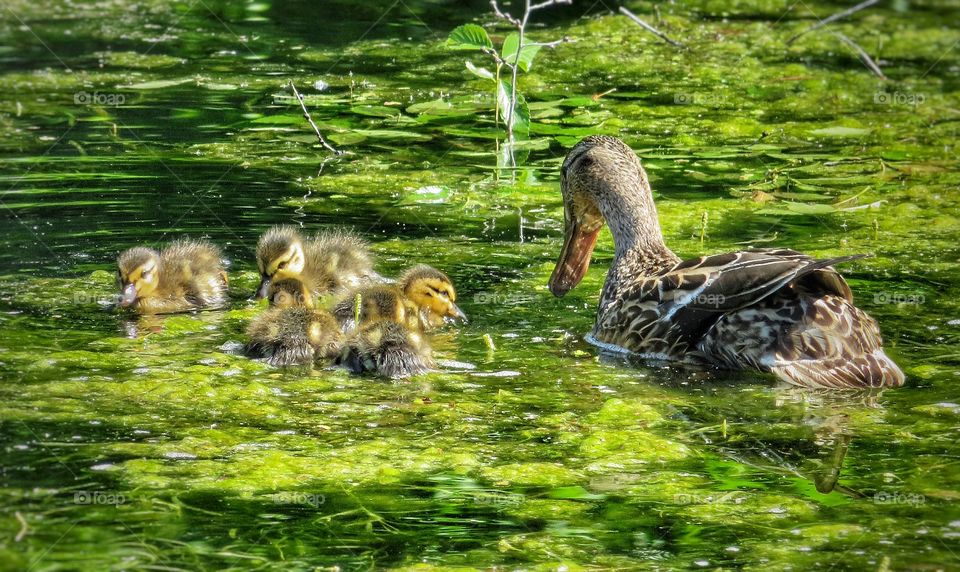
469, 37
509, 52
479, 72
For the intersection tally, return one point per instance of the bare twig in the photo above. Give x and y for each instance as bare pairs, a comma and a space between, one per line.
503, 15
306, 115
864, 56
553, 44
834, 18
651, 29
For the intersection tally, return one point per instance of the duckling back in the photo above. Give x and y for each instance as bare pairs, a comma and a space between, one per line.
292, 331
387, 349
196, 268
293, 336
377, 303
338, 260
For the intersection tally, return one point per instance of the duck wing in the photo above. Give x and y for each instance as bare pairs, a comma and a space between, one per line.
728, 282
694, 294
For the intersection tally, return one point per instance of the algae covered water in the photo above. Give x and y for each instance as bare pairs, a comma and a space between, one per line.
155, 444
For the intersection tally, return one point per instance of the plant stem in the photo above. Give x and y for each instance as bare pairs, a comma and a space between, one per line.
521, 25
864, 56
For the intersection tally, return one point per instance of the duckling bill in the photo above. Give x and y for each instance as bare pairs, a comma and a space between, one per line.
186, 275
773, 310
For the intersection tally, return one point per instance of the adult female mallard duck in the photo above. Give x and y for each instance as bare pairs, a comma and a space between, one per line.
330, 261
772, 310
184, 276
292, 331
422, 299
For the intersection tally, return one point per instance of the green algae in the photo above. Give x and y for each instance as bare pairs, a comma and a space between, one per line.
535, 455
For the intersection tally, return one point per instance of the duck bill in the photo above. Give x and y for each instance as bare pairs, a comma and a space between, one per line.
574, 258
263, 289
128, 295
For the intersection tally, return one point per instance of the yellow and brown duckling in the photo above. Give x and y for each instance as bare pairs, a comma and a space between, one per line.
389, 339
292, 331
186, 275
330, 262
422, 299
773, 310
387, 349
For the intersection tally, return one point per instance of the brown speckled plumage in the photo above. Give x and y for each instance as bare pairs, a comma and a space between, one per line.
773, 310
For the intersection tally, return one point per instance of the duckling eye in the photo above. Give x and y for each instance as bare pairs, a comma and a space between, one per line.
282, 265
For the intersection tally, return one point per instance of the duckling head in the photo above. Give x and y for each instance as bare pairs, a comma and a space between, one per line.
289, 293
432, 290
138, 274
279, 255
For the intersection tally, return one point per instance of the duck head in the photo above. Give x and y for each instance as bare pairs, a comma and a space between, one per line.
602, 181
290, 293
432, 290
279, 255
138, 274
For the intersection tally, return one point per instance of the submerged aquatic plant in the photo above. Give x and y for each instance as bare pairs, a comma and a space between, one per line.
515, 54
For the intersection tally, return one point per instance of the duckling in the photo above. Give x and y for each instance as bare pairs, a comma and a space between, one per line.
433, 294
389, 338
293, 331
186, 275
331, 261
424, 298
387, 349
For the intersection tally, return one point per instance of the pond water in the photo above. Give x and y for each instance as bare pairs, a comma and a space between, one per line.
154, 444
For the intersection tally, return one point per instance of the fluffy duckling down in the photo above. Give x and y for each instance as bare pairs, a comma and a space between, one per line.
292, 331
329, 262
186, 275
388, 322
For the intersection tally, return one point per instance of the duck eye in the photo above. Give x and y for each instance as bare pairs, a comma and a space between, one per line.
282, 265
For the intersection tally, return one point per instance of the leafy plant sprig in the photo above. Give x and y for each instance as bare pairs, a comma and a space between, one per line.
515, 54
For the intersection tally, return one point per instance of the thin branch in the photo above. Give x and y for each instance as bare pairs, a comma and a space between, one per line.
306, 115
651, 29
553, 44
503, 15
834, 18
549, 3
496, 57
864, 56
